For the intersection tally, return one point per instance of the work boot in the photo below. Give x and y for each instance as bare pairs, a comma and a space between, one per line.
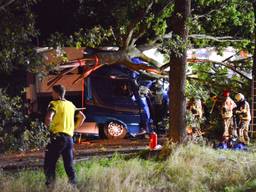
50, 186
50, 182
73, 183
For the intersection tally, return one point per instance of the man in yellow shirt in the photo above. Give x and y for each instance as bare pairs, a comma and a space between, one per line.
60, 120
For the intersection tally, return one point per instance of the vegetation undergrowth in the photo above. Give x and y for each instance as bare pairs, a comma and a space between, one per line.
188, 168
19, 131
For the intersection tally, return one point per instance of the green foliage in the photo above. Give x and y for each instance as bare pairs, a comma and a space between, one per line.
17, 53
83, 38
209, 78
17, 130
17, 33
110, 23
35, 136
13, 122
196, 90
223, 18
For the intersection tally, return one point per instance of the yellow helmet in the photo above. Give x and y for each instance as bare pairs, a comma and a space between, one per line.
239, 97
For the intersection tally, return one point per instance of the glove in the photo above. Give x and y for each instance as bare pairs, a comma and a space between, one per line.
238, 112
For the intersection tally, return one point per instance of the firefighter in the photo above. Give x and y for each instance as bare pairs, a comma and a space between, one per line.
227, 108
244, 118
195, 106
160, 103
144, 103
60, 119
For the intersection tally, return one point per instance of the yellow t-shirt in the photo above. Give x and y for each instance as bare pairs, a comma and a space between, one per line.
63, 119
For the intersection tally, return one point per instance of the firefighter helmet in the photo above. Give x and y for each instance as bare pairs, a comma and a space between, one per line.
239, 97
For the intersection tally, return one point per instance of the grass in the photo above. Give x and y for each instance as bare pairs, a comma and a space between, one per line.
189, 168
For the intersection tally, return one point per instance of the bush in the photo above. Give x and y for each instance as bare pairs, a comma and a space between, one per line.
35, 136
17, 130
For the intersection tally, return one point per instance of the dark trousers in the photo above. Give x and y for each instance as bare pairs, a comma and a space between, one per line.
158, 114
60, 144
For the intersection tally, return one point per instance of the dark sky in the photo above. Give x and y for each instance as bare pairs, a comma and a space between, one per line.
55, 16
68, 16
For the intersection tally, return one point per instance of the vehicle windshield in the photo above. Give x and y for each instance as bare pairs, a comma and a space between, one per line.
118, 92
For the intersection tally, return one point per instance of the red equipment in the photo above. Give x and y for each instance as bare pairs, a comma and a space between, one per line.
226, 93
153, 140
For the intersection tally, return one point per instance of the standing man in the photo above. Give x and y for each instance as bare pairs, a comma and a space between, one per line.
160, 103
196, 109
227, 113
60, 120
144, 104
244, 115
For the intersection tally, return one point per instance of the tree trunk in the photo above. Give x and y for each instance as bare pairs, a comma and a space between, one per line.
253, 107
254, 39
178, 72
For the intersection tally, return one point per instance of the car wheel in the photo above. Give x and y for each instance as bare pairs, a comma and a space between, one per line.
115, 130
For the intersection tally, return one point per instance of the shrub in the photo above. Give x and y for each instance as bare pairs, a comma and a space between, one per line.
17, 130
35, 136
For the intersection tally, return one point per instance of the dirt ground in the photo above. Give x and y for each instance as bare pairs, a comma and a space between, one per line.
87, 149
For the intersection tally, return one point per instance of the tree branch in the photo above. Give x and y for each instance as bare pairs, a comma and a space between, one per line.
225, 65
133, 24
210, 12
140, 34
219, 39
211, 82
113, 33
3, 5
158, 12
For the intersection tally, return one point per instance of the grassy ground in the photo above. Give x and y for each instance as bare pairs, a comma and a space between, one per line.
189, 168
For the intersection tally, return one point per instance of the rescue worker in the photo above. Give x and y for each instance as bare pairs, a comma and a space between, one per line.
160, 102
195, 106
145, 104
227, 114
60, 120
244, 117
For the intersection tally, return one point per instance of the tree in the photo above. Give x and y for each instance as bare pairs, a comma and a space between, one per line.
254, 38
5, 4
17, 54
134, 26
178, 70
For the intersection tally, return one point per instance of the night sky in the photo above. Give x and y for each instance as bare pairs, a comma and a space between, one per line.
69, 16
55, 16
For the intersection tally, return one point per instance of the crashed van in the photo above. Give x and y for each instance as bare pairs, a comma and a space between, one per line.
113, 104
109, 97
